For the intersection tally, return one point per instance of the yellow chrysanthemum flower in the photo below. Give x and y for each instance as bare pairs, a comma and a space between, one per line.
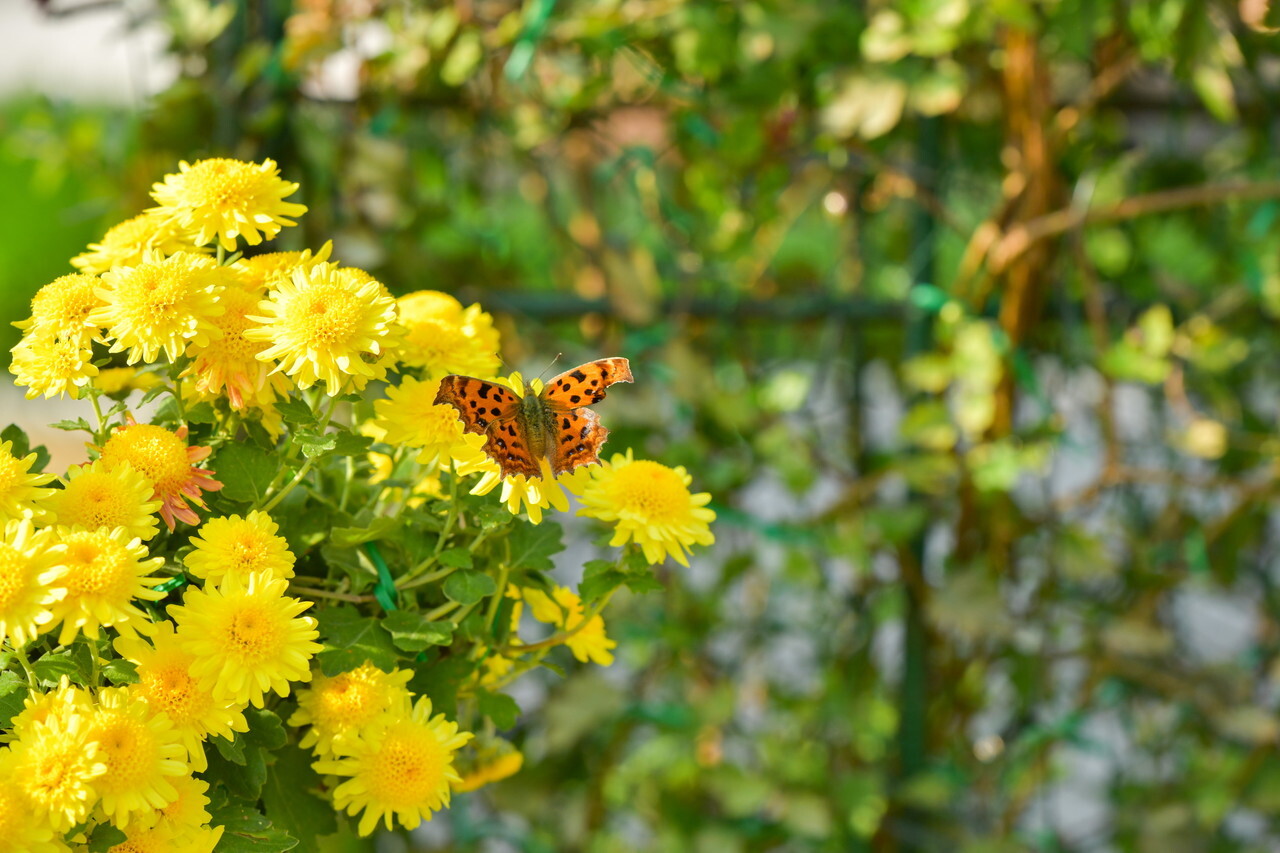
339, 708
103, 571
247, 636
228, 365
163, 457
410, 416
94, 496
30, 563
402, 766
650, 504
126, 243
162, 304
60, 705
62, 307
20, 490
533, 495
118, 381
443, 337
266, 271
56, 767
240, 546
563, 609
142, 752
165, 681
225, 200
49, 366
20, 833
177, 827
321, 328
494, 759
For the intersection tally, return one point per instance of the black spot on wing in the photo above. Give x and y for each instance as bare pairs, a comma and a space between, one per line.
578, 375
575, 399
485, 388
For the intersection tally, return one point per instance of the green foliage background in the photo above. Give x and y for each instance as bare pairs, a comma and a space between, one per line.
964, 312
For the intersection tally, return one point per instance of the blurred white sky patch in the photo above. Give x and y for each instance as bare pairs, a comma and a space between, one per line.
93, 56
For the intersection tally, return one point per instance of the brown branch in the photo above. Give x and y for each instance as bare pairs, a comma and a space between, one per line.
1020, 238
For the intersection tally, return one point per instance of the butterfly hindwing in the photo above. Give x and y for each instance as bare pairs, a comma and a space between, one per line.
585, 384
578, 438
479, 403
508, 445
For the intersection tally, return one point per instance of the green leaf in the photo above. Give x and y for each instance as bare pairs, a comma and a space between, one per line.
13, 693
21, 444
599, 585
315, 444
352, 639
290, 801
121, 671
642, 584
232, 749
457, 558
104, 837
244, 777
439, 679
202, 413
500, 708
245, 829
296, 412
265, 729
350, 444
413, 633
347, 537
245, 472
533, 544
72, 661
468, 587
72, 425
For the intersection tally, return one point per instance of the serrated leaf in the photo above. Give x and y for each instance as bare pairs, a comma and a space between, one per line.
533, 544
13, 693
295, 412
642, 584
352, 639
350, 444
202, 413
72, 425
121, 671
315, 444
232, 749
457, 558
290, 802
73, 661
597, 586
467, 587
246, 830
245, 472
414, 633
265, 729
15, 434
104, 837
500, 708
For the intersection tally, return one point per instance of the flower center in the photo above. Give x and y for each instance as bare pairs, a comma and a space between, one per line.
252, 634
154, 451
218, 182
94, 500
651, 490
12, 472
326, 315
93, 567
128, 749
408, 768
172, 689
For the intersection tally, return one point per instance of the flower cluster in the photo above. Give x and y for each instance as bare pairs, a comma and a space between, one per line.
289, 511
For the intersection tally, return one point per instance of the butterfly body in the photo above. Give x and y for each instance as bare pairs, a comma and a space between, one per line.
554, 424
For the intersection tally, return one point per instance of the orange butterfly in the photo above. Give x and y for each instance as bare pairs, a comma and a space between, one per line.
551, 425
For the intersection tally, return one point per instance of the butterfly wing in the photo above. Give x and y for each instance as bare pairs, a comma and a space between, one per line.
585, 384
578, 439
479, 403
492, 410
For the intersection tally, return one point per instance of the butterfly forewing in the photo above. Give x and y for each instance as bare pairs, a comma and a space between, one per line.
585, 384
479, 403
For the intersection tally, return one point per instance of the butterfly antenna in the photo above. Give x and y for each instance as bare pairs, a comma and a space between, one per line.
547, 369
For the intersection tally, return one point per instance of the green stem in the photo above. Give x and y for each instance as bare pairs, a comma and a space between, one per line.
177, 399
101, 435
222, 254
20, 652
289, 486
496, 602
567, 634
346, 483
447, 607
432, 577
293, 454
